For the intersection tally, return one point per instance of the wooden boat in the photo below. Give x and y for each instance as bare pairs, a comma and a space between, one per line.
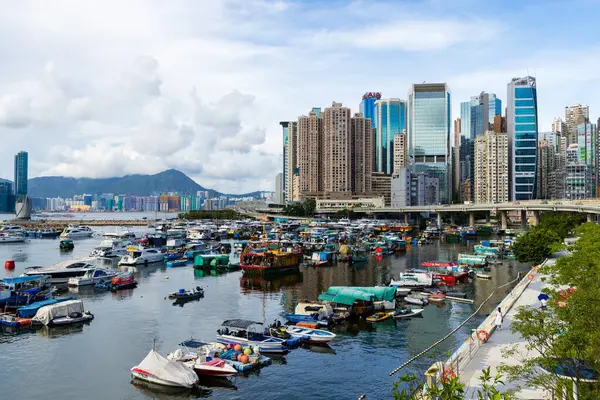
407, 313
183, 294
270, 261
323, 259
310, 335
379, 317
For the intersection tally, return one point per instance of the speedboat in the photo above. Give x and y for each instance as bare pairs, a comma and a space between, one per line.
137, 256
123, 234
63, 313
157, 369
413, 279
379, 317
74, 232
202, 357
240, 333
13, 230
407, 313
92, 277
111, 248
311, 335
9, 238
63, 271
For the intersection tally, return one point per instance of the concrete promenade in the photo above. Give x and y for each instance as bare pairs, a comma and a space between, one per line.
490, 354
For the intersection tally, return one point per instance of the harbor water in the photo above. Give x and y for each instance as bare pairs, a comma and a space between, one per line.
92, 361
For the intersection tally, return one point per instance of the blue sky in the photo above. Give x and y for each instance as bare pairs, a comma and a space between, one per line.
110, 88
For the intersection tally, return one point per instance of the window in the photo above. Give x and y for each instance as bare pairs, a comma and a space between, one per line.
525, 118
524, 103
526, 152
525, 111
523, 93
525, 143
524, 127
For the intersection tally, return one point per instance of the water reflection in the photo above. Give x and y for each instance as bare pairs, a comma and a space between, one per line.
254, 284
160, 392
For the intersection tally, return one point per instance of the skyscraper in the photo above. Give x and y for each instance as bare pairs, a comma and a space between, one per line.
367, 105
491, 168
587, 144
7, 198
362, 154
575, 115
546, 158
310, 135
279, 198
522, 127
291, 168
399, 150
21, 167
390, 119
559, 126
337, 154
285, 132
428, 127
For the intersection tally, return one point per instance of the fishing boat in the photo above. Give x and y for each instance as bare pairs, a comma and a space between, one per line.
268, 261
407, 313
379, 317
310, 335
183, 294
92, 277
175, 249
446, 272
323, 258
357, 302
159, 370
63, 313
486, 250
122, 281
300, 318
239, 331
211, 261
24, 290
359, 256
472, 260
66, 244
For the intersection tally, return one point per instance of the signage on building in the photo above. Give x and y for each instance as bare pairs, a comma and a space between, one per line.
372, 95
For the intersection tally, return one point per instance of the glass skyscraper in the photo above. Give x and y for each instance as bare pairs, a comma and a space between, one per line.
522, 127
428, 128
390, 120
367, 105
21, 174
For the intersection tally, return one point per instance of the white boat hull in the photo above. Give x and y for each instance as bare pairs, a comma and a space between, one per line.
12, 239
148, 377
314, 335
270, 346
415, 312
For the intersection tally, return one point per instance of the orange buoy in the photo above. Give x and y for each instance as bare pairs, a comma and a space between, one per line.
244, 359
483, 335
9, 264
530, 277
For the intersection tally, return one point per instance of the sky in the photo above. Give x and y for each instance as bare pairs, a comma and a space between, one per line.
110, 88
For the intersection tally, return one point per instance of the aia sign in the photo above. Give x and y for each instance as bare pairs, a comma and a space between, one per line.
372, 95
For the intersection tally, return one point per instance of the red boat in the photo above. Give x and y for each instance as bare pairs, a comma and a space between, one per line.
123, 281
446, 271
270, 261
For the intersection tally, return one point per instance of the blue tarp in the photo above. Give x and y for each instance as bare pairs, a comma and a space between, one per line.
21, 279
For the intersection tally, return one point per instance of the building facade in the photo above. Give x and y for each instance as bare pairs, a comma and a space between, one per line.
21, 172
400, 188
575, 115
361, 154
546, 158
337, 149
578, 180
291, 161
310, 135
491, 168
399, 151
428, 128
367, 106
390, 120
522, 127
382, 186
7, 198
279, 196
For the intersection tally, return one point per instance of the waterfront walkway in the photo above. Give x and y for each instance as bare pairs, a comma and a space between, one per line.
490, 354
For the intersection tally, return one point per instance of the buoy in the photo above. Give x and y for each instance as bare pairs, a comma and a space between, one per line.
247, 351
9, 264
530, 277
483, 335
237, 347
244, 359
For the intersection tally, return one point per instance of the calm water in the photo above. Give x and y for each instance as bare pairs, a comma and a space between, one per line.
87, 216
93, 361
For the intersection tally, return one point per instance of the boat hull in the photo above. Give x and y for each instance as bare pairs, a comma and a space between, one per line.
264, 346
148, 377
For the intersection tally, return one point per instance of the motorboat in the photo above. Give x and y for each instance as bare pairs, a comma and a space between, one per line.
63, 313
403, 291
31, 309
310, 335
13, 230
416, 300
136, 256
111, 248
407, 313
24, 290
413, 279
75, 232
10, 238
122, 234
202, 357
379, 317
184, 295
92, 277
238, 331
157, 369
63, 271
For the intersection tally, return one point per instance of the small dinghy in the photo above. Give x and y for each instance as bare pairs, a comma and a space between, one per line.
407, 313
379, 317
311, 335
63, 313
403, 291
416, 300
183, 295
483, 276
157, 369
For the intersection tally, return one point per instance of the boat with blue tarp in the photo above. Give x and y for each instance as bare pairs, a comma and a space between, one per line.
24, 290
30, 310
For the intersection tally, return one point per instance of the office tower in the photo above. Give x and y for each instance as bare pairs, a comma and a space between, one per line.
546, 158
310, 135
491, 168
522, 127
21, 166
575, 115
367, 106
291, 168
361, 153
390, 119
7, 198
285, 136
336, 150
428, 126
456, 160
279, 198
400, 150
559, 126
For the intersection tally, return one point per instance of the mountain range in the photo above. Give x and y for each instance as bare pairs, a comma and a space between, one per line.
134, 185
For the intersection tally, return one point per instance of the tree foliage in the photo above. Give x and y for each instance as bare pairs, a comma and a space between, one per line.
569, 329
536, 245
305, 208
211, 214
561, 223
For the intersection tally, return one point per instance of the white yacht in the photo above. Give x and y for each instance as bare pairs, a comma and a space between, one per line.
413, 279
122, 234
73, 232
110, 248
92, 277
63, 271
8, 238
12, 230
141, 256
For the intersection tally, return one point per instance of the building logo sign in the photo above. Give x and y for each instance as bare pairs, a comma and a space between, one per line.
372, 95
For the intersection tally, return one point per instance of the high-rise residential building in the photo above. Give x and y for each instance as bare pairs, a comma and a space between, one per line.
291, 161
7, 198
499, 125
522, 127
400, 150
285, 136
382, 186
559, 126
588, 150
428, 127
575, 115
456, 160
310, 136
578, 180
21, 168
491, 168
279, 198
337, 150
550, 137
400, 188
546, 158
367, 105
361, 153
390, 119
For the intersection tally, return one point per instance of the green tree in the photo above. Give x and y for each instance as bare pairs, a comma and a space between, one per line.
305, 208
561, 223
536, 245
569, 329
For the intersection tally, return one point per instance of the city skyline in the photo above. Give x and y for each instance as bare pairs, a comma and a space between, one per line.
90, 100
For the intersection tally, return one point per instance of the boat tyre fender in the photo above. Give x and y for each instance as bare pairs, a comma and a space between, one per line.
146, 263
483, 335
448, 375
530, 276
